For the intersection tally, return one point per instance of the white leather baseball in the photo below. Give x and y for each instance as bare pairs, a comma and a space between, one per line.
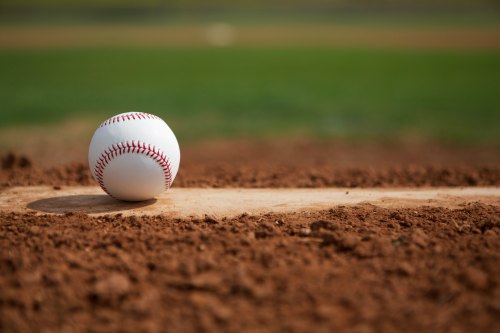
134, 156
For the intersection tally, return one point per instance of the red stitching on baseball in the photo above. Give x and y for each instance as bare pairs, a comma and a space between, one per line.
126, 147
128, 116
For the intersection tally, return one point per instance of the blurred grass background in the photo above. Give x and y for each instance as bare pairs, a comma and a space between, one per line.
351, 70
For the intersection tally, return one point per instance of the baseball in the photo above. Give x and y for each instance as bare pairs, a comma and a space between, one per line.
134, 156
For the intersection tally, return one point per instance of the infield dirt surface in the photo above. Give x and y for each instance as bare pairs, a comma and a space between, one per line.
357, 267
43, 37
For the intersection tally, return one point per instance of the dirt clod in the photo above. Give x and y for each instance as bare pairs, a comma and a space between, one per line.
419, 237
109, 289
12, 161
476, 278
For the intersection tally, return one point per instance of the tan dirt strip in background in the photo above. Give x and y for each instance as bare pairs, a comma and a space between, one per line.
230, 202
463, 38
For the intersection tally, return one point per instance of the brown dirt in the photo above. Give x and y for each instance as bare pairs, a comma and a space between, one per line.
299, 163
358, 269
337, 35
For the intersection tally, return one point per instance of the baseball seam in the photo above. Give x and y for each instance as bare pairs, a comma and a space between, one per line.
128, 116
131, 147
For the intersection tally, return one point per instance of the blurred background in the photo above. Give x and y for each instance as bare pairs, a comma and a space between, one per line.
359, 70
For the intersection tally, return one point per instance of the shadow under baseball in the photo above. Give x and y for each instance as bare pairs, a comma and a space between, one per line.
86, 203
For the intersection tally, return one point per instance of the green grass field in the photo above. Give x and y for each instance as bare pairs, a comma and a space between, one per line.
207, 92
